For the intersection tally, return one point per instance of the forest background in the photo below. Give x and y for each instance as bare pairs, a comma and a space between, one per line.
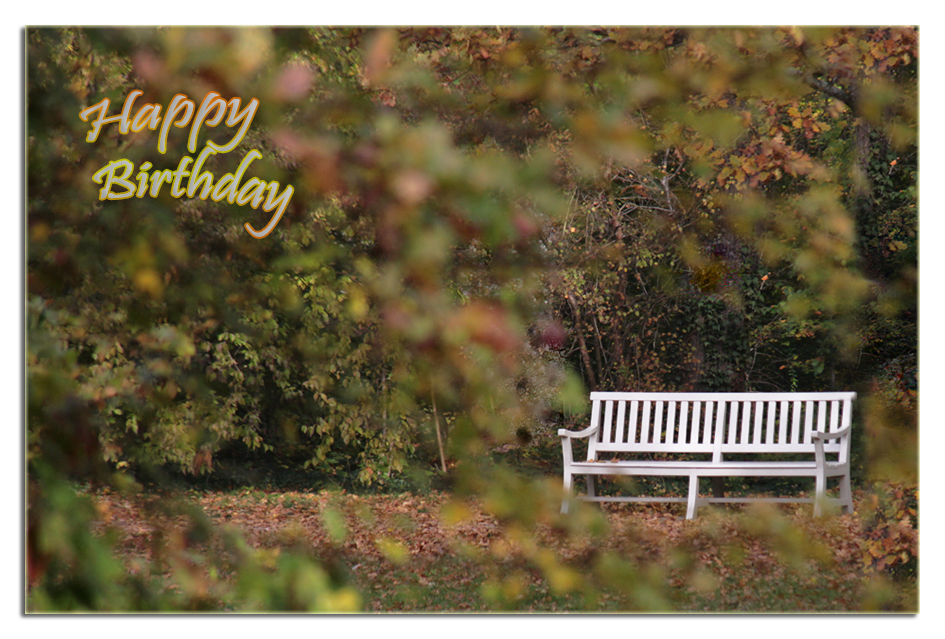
708, 266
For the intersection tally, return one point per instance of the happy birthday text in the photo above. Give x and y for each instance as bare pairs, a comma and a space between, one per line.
188, 178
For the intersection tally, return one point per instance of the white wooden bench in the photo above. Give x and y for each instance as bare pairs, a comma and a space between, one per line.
645, 434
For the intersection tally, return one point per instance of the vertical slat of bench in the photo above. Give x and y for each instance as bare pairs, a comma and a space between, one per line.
732, 421
796, 422
645, 424
808, 422
719, 438
658, 424
744, 436
694, 423
803, 410
632, 424
607, 437
671, 423
592, 440
797, 433
620, 426
783, 423
683, 423
759, 412
821, 418
707, 426
772, 410
834, 416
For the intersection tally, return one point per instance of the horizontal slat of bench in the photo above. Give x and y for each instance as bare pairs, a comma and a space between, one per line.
707, 470
728, 465
654, 448
709, 448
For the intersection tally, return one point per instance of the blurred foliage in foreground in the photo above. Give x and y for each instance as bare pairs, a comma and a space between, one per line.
486, 223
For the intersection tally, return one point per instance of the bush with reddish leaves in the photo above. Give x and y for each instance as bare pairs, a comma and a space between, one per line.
891, 533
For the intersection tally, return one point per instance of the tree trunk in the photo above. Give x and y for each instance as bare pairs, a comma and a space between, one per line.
582, 344
439, 438
718, 487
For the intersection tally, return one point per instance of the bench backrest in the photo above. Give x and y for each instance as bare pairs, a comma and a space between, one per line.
718, 423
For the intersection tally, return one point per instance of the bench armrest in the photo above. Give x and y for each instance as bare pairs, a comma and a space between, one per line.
819, 457
834, 435
566, 437
590, 430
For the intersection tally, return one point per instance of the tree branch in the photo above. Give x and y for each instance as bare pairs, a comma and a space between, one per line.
846, 96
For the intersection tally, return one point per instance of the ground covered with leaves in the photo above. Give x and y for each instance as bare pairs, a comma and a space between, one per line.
432, 553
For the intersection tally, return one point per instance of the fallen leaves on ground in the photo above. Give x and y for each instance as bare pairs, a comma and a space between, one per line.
429, 553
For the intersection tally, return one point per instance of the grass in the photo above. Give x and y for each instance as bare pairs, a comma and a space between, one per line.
454, 584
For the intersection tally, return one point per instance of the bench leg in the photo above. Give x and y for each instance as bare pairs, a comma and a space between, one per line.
846, 495
693, 496
820, 493
590, 486
567, 493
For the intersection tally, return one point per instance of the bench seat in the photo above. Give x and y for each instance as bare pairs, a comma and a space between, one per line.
767, 427
705, 468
